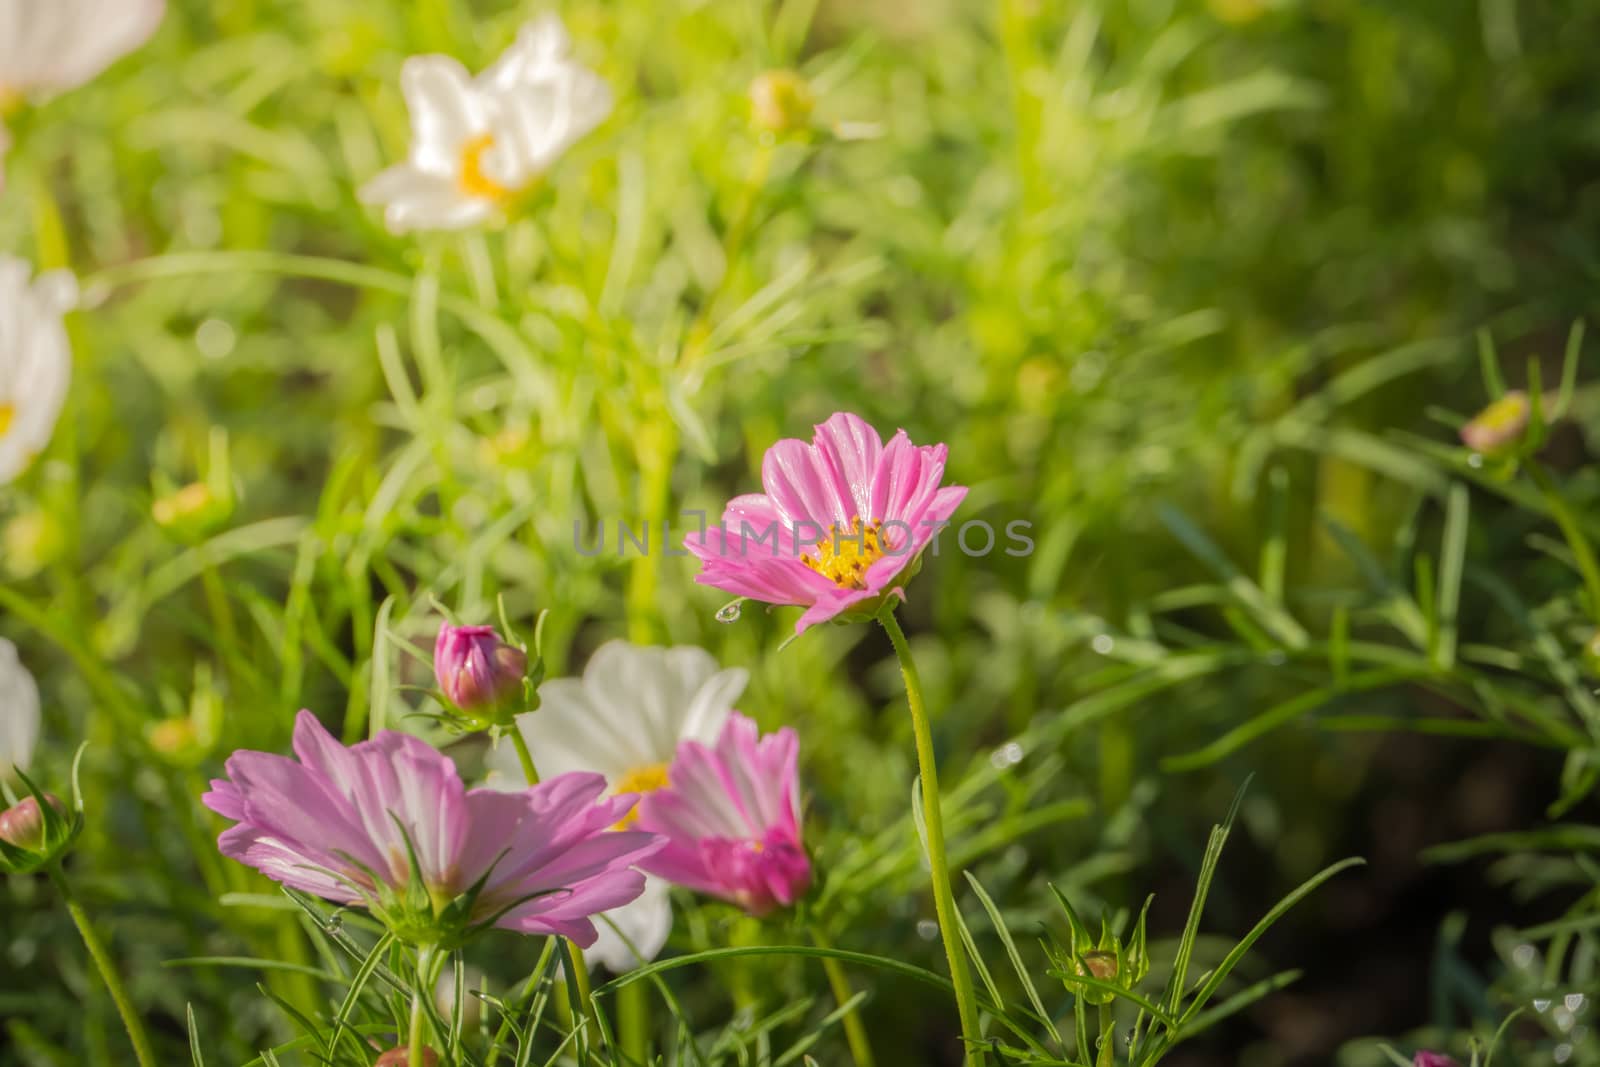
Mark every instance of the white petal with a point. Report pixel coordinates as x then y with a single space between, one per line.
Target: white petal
19 711
541 44
35 360
646 923
632 707
446 112
51 45
415 200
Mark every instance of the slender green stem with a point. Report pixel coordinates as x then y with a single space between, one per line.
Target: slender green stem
526 757
1108 1038
944 901
108 971
854 1032
1582 552
633 1022
580 970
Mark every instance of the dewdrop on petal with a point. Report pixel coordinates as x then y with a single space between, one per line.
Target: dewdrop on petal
780 102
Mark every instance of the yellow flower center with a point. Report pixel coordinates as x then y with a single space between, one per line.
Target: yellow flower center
474 182
646 779
844 556
8 415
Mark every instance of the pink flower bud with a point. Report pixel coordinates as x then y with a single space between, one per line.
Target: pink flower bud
476 670
1432 1059
401 1057
1500 425
22 826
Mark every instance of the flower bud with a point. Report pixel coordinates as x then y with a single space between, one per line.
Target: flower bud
34 834
22 826
1425 1058
780 102
1499 426
401 1057
479 674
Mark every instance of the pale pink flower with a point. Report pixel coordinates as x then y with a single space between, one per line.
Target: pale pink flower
731 816
378 822
840 523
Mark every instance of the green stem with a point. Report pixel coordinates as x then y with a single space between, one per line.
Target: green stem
580 970
521 744
1579 544
108 971
633 1022
944 901
424 988
854 1032
1108 1038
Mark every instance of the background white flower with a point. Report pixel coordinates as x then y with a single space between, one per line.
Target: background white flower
625 716
646 922
477 143
624 719
19 711
35 360
52 45
47 46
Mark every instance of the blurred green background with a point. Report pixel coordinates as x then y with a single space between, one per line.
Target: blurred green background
1121 255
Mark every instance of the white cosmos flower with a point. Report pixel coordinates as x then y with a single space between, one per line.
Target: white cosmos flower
477 143
625 719
48 46
19 711
35 360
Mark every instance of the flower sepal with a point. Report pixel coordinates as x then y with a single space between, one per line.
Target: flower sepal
38 829
1086 964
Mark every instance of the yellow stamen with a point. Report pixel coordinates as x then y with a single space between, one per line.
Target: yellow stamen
646 779
8 414
474 182
844 556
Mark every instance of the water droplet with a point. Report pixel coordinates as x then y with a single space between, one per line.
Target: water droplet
730 612
1007 755
1562 1053
1574 1001
1103 644
1523 955
1474 461
214 338
1563 1019
928 930
1541 1005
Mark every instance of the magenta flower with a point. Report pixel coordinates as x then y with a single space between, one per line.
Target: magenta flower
731 816
1425 1058
841 523
478 672
387 824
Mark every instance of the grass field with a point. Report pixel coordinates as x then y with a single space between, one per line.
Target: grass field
1206 302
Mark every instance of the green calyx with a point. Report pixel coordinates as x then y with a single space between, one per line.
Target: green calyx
1088 964
38 829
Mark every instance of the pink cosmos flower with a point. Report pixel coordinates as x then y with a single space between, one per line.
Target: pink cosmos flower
731 816
387 824
839 524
